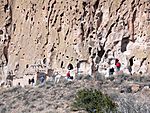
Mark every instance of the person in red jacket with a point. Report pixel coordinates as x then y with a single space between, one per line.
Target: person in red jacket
68 74
118 64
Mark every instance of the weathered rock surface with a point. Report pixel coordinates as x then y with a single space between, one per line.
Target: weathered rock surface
37 35
42 34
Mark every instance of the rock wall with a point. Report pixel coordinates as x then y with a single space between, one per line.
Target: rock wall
43 34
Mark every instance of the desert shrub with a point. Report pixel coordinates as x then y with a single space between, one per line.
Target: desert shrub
93 101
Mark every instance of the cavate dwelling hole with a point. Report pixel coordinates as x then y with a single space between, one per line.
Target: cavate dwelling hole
70 66
124 44
90 48
96 5
91 36
134 15
6 8
131 61
77 10
116 42
59 29
27 66
14 27
61 64
43 8
27 16
142 61
17 66
44 61
48 8
106 55
62 14
5 52
31 18
52 49
101 53
70 8
56 56
1 32
84 3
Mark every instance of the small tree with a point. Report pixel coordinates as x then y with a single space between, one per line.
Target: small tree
93 101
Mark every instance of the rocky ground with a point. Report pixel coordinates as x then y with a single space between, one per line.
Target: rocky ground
131 94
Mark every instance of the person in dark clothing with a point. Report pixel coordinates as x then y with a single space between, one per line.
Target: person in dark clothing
116 61
111 71
68 75
32 81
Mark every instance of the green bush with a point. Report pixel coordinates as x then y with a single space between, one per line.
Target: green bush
93 101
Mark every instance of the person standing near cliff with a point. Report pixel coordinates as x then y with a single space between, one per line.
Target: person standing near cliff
32 81
118 64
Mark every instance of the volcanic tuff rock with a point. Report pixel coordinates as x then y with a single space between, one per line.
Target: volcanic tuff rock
47 34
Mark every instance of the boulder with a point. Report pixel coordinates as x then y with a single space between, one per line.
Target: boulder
135 88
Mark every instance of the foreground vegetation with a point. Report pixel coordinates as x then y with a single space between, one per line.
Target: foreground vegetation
93 101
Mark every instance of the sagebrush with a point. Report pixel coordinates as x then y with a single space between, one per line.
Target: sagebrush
93 101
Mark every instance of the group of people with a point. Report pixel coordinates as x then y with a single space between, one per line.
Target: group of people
70 76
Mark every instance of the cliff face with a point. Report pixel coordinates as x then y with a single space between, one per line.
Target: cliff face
43 34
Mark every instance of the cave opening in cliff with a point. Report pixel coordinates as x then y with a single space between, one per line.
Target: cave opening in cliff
96 5
142 61
44 61
101 52
107 52
62 63
27 66
90 49
6 8
1 32
131 61
124 43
